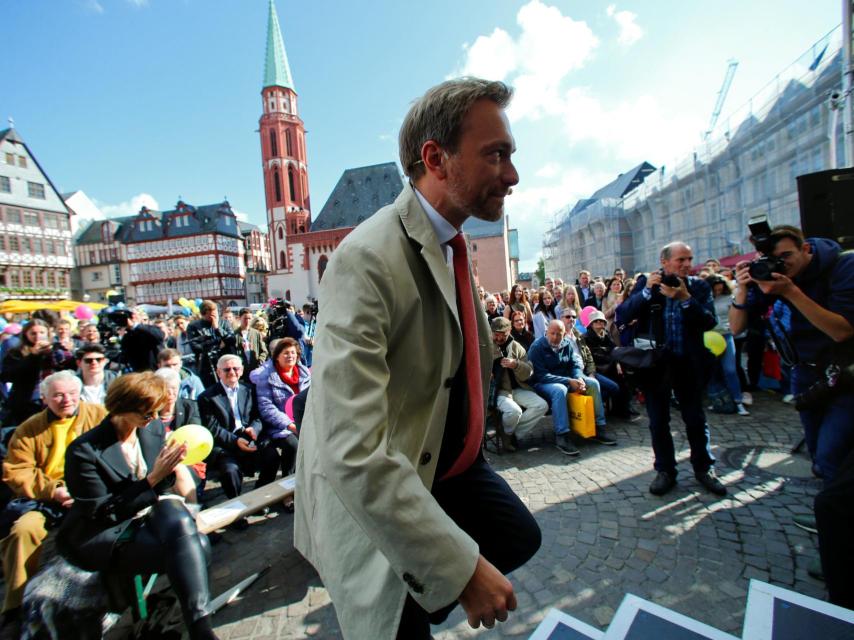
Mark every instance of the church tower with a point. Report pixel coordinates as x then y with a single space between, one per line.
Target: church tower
283 154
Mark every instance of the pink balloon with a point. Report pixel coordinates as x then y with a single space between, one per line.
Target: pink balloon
83 312
13 328
585 315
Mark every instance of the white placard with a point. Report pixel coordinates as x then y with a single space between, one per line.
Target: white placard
759 617
288 483
223 514
555 617
632 605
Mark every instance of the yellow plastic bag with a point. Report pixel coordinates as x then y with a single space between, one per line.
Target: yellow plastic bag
582 418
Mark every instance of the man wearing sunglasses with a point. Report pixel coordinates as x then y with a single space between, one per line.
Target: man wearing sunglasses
91 363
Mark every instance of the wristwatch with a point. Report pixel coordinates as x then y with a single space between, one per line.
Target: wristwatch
740 307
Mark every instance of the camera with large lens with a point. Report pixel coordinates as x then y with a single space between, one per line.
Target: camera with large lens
763 267
669 279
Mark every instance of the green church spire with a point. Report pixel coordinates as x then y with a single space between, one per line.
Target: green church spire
277 71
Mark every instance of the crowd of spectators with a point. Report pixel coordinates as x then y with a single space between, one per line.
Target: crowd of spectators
103 395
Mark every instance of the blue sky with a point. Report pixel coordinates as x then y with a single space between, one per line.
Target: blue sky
143 101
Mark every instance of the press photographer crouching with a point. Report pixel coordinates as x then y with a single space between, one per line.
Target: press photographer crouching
815 280
119 522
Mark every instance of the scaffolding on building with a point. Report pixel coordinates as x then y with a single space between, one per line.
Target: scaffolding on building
747 166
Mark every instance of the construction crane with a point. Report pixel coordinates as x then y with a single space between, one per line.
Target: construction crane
719 103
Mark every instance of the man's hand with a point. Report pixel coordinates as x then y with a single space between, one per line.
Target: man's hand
61 496
653 279
677 293
780 286
508 363
742 275
488 596
577 384
245 445
250 434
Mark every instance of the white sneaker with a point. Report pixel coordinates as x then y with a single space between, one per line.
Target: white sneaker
741 410
788 398
746 398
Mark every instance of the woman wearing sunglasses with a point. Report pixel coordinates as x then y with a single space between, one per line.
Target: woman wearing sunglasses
119 523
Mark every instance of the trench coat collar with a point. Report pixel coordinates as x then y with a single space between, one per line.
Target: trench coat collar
417 226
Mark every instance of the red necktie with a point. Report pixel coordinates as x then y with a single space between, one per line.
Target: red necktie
471 359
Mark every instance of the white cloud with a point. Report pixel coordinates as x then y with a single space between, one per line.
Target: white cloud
93 5
549 46
630 31
492 57
532 210
242 216
549 170
139 4
632 129
128 207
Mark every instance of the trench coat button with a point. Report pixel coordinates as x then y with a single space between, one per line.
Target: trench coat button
426 457
448 382
410 580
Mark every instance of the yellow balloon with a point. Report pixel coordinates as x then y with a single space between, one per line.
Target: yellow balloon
714 342
199 442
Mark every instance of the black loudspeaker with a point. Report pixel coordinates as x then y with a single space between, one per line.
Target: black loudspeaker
827 205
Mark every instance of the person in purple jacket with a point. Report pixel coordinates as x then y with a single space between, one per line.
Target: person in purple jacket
283 376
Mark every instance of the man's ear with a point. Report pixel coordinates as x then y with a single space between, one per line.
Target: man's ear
433 157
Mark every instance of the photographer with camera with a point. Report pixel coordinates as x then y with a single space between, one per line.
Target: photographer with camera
815 281
674 310
141 343
210 339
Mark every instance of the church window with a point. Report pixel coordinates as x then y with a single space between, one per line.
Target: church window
281 259
277 184
280 233
321 267
288 142
274 144
291 185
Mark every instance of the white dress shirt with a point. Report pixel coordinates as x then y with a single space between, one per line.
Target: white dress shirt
231 394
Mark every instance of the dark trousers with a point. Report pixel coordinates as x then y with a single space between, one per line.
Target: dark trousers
168 541
231 466
485 507
834 516
687 382
287 448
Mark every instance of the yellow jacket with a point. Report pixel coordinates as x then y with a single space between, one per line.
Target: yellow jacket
29 451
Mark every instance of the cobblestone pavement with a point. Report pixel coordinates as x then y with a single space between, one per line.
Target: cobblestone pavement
604 535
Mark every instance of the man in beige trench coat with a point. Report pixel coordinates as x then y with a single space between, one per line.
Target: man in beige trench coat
397 542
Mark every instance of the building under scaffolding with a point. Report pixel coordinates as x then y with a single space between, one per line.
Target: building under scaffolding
747 167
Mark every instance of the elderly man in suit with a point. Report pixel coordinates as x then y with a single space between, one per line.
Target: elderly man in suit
228 408
396 507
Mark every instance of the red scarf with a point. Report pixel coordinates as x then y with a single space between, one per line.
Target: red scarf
292 381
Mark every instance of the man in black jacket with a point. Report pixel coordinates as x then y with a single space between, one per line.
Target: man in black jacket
676 309
141 344
229 409
209 339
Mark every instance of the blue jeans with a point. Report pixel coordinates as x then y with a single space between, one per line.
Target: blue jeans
555 394
730 370
687 384
829 430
